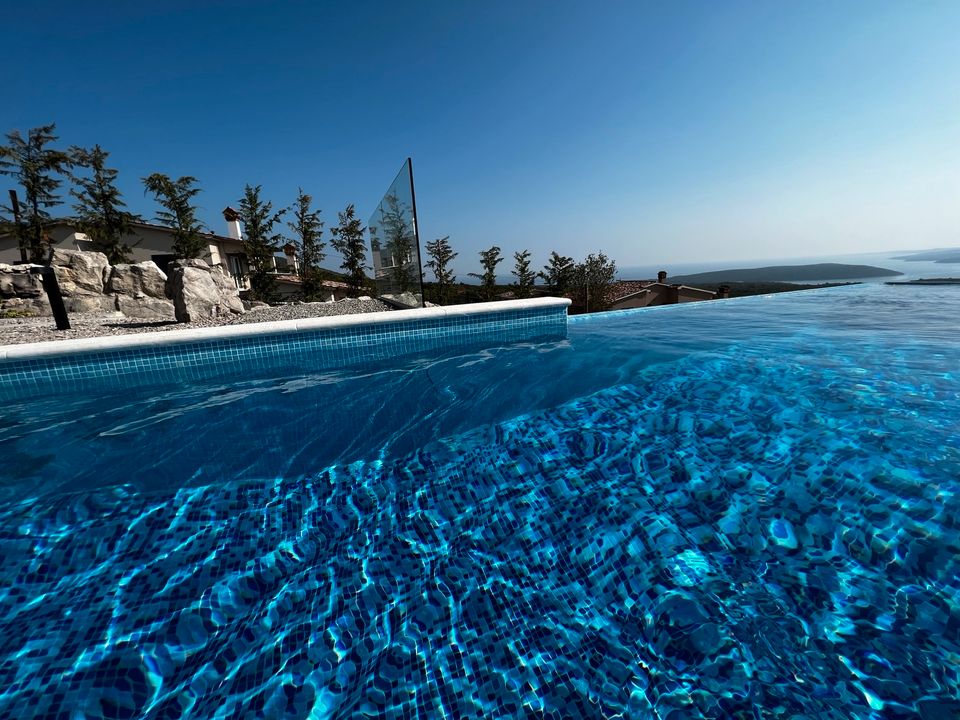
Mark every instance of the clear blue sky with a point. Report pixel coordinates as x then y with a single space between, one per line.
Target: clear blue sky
660 132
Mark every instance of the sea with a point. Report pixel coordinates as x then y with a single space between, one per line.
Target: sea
911 269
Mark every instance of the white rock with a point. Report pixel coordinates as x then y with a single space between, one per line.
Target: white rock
20 283
89 303
138 279
146 308
201 291
16 306
80 272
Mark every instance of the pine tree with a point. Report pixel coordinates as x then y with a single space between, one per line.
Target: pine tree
348 241
35 167
489 259
558 272
179 213
525 276
260 242
100 206
441 255
308 229
592 281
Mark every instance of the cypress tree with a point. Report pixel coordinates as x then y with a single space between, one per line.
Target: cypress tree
347 239
308 229
489 259
558 272
260 242
525 276
100 208
441 255
179 213
35 167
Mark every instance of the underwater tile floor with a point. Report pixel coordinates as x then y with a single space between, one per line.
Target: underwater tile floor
726 537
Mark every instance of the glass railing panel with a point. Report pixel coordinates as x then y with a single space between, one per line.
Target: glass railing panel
395 243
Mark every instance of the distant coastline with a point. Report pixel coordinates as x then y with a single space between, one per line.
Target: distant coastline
789 273
944 255
926 281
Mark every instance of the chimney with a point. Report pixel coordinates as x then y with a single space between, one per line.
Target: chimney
723 292
662 276
233 223
290 250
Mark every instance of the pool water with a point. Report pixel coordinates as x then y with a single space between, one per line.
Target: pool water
739 509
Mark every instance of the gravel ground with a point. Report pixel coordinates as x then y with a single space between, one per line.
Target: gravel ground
14 331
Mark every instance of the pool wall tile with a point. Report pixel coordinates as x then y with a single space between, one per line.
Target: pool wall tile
290 346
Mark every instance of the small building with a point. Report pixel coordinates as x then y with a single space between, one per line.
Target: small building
647 293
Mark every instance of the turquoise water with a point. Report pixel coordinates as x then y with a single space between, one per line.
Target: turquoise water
732 509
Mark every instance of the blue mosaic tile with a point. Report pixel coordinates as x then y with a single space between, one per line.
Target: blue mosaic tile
747 511
303 350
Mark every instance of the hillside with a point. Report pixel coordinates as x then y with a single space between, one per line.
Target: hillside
787 273
745 289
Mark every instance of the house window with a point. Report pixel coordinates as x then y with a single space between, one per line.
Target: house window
237 265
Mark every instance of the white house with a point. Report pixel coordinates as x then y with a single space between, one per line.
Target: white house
147 242
150 241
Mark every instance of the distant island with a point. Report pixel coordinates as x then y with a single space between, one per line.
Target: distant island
745 289
788 273
944 255
926 281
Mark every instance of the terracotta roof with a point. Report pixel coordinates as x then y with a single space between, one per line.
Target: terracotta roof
625 288
296 280
628 288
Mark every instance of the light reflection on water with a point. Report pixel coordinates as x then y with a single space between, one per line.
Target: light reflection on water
725 510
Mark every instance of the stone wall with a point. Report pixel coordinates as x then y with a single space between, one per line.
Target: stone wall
89 284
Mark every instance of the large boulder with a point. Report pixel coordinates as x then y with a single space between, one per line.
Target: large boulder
140 291
79 272
144 279
89 304
202 291
146 308
24 307
401 300
21 292
18 281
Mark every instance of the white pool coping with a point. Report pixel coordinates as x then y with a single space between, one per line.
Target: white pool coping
52 348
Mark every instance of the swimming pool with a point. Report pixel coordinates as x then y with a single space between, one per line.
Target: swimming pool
733 509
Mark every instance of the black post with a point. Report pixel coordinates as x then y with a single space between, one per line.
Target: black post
416 231
52 288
